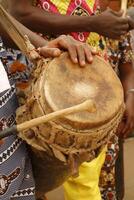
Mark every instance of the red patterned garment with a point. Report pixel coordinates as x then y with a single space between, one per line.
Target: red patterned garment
71 7
112 51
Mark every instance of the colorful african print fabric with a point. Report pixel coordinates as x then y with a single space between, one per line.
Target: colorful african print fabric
16 178
130 3
80 8
116 52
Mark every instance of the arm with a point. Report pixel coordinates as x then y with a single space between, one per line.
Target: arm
79 52
127 79
126 69
44 22
108 23
36 40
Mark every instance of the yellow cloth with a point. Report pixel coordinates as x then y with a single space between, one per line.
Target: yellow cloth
85 187
83 8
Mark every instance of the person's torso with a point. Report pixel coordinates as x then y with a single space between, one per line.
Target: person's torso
110 50
76 7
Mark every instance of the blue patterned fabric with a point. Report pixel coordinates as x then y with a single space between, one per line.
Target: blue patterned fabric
16 178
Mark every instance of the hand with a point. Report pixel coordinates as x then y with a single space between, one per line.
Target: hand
130 13
79 52
131 23
127 125
111 24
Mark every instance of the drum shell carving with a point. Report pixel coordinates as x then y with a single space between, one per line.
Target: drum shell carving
60 146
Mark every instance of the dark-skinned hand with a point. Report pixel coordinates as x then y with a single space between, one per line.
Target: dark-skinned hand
111 24
127 125
79 52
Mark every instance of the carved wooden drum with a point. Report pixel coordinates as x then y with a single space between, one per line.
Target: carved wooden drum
61 145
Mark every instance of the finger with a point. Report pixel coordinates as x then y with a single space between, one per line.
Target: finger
70 47
124 20
123 33
128 132
119 33
73 53
132 125
88 54
123 27
33 55
116 36
131 23
116 13
131 128
59 42
81 55
120 129
127 126
93 50
49 52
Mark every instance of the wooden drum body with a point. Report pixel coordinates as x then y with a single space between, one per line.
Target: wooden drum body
60 146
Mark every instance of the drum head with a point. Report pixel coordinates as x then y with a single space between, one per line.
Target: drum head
66 84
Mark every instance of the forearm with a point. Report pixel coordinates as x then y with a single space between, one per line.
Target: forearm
5 37
36 40
44 22
127 77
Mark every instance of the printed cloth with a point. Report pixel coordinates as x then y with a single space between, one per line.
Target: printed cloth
116 52
16 178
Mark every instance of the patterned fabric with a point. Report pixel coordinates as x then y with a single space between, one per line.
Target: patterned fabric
132 39
107 178
80 8
130 3
16 179
113 51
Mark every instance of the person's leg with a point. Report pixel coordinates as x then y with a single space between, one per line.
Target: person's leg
85 187
107 176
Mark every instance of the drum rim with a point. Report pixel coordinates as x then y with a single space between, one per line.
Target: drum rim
65 120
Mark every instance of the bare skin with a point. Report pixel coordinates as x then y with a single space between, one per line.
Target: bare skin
115 5
79 52
29 14
109 23
127 78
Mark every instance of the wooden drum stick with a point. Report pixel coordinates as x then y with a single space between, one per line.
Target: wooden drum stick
86 106
124 6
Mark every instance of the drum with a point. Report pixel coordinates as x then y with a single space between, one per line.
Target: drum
58 147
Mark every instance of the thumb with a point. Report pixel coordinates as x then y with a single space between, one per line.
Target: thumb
47 52
33 55
117 13
131 22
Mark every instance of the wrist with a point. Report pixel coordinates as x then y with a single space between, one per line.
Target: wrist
129 95
94 24
131 91
89 23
